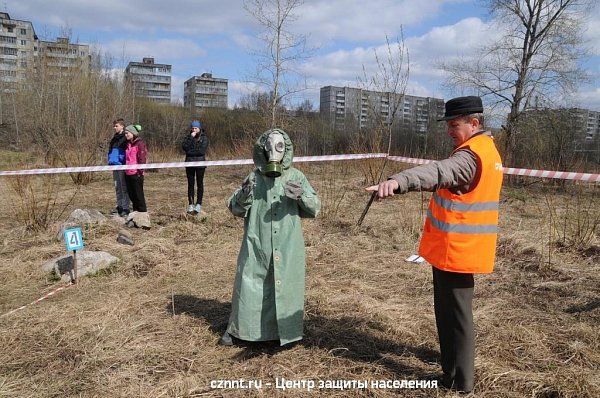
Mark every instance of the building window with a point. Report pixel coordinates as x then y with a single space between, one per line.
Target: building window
9 51
23 31
9 29
8 39
23 42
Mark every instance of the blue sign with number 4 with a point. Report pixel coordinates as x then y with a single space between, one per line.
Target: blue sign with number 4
73 239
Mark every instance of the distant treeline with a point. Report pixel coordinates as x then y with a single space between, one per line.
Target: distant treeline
67 119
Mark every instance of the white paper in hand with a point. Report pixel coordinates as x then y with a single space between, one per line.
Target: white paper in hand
415 258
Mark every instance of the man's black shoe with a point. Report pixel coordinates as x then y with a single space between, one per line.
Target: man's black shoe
447 382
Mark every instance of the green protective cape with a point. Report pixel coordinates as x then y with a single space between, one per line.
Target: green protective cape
268 294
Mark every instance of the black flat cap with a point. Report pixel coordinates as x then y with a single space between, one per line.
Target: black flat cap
462 106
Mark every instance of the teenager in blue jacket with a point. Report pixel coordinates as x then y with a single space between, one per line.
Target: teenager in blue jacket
116 156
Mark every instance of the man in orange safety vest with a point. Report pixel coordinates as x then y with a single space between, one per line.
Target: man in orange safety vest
460 232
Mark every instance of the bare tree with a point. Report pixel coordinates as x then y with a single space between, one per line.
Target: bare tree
385 89
66 114
535 59
283 50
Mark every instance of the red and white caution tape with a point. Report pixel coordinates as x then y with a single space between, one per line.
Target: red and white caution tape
403 159
204 163
339 157
563 175
44 297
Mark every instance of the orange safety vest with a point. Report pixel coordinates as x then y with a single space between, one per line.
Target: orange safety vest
461 231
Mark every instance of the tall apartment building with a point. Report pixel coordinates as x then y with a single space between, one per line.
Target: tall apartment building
585 122
340 104
61 57
18 44
150 80
590 121
204 91
21 52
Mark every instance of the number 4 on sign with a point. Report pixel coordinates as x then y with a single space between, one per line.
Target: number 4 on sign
73 239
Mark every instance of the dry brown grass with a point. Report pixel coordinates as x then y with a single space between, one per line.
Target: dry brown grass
369 314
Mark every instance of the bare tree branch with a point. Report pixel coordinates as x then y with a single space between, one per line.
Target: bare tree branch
276 63
536 57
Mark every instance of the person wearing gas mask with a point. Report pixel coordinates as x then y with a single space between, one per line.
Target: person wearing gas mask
268 294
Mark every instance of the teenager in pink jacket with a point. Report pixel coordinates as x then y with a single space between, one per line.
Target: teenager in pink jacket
136 153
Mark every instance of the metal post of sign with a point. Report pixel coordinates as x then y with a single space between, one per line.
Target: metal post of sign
74 266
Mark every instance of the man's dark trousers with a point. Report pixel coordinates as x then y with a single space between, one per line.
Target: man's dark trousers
453 298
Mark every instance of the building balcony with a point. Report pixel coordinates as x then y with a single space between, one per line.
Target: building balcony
147 71
62 65
212 92
61 55
157 92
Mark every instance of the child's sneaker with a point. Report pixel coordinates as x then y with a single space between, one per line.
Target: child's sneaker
190 209
197 209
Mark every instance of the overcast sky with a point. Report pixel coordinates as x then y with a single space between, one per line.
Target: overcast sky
197 36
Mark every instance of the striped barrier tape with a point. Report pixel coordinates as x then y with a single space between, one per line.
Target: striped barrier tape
44 297
204 163
403 159
563 175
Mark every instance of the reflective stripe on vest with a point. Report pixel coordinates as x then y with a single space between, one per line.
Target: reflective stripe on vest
458 206
461 228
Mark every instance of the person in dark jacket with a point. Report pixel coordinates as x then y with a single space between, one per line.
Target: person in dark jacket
194 145
116 156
